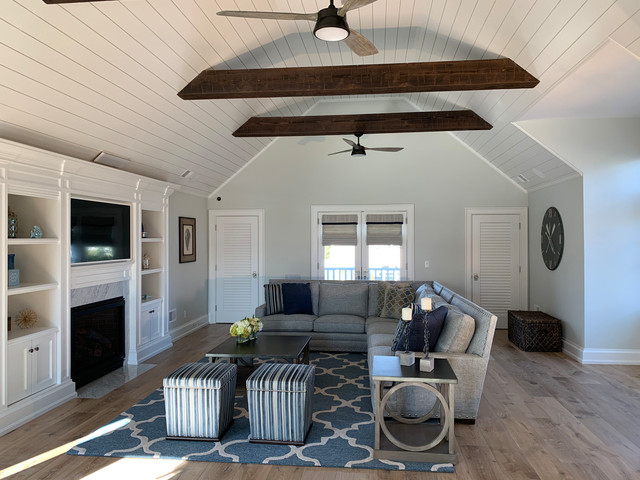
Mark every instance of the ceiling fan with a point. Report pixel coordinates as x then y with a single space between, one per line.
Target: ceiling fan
331 24
358 150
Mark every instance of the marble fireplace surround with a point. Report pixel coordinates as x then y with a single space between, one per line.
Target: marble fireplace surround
96 282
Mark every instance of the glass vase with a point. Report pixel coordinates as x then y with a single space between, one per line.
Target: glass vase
245 339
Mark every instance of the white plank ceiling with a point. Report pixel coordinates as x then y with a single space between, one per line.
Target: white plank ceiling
85 78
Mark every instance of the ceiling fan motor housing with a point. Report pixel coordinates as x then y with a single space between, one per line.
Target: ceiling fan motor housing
330 26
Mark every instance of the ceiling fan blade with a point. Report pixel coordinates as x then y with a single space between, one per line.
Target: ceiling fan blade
352 5
385 149
270 15
341 151
350 142
360 45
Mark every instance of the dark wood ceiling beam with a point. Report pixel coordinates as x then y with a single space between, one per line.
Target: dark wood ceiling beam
376 79
366 123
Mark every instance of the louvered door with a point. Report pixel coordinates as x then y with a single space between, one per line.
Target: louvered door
496 264
236 268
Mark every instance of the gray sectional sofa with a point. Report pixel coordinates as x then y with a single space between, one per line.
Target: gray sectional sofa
344 319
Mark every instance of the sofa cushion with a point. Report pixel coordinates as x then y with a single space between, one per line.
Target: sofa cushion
378 339
339 324
396 296
296 298
346 299
273 298
456 333
288 323
378 325
415 330
424 290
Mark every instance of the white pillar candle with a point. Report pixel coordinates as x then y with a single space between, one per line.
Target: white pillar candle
406 314
425 303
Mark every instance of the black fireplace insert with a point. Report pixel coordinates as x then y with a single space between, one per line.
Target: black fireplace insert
97 339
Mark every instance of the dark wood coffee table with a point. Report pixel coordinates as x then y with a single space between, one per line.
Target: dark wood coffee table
294 348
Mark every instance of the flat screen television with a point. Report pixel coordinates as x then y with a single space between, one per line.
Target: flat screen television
100 232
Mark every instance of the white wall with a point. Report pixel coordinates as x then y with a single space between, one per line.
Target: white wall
560 292
434 172
188 281
607 151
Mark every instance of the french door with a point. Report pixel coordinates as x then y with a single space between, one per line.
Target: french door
361 244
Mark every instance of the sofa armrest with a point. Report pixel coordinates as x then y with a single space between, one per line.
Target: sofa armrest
471 371
261 310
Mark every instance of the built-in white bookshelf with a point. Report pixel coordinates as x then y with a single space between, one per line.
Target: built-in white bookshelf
38 185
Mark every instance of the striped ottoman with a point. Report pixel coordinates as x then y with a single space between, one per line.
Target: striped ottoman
279 397
198 399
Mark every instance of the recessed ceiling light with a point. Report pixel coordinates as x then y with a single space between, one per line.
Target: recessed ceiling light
538 173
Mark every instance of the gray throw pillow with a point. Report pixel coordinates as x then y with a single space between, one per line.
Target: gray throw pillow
456 333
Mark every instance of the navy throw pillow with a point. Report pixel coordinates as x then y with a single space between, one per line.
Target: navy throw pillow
296 298
415 330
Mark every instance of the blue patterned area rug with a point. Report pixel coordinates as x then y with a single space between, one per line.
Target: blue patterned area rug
341 436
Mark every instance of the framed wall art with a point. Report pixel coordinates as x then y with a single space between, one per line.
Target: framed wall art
187 233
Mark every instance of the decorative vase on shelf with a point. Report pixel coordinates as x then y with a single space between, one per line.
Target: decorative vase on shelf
146 261
13 224
12 259
36 232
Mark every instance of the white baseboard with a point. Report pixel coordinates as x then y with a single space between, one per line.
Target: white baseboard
601 356
153 348
189 327
35 405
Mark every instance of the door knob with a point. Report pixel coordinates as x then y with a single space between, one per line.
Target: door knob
475 277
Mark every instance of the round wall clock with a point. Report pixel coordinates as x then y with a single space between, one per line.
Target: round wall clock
552 238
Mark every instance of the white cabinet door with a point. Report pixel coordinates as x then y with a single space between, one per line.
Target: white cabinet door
150 325
32 365
43 362
19 370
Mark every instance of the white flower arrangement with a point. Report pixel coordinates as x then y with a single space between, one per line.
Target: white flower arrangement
246 327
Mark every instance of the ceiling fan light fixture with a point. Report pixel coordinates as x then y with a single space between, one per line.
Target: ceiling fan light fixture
330 26
358 152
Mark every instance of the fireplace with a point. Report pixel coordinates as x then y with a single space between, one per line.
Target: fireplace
97 339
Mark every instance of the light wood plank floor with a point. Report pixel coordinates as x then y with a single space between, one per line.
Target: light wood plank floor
542 416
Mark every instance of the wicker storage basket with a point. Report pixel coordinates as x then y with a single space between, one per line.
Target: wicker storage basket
535 331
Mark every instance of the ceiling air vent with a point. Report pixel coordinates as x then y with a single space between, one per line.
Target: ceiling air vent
186 174
522 179
111 160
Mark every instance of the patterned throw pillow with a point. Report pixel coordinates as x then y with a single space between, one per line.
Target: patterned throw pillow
395 298
273 298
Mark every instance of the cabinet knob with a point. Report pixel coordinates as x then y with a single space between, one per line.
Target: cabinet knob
37 349
31 350
151 311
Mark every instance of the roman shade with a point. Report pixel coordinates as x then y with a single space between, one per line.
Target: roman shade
384 229
339 229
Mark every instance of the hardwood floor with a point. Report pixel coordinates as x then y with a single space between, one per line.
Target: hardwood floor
542 416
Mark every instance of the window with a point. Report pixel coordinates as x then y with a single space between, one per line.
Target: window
362 242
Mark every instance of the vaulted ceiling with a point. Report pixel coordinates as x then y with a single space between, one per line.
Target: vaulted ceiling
90 77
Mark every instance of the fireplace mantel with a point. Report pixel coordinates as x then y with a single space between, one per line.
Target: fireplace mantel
94 274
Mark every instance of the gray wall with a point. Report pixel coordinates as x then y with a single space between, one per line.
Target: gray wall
434 172
560 292
188 281
607 151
